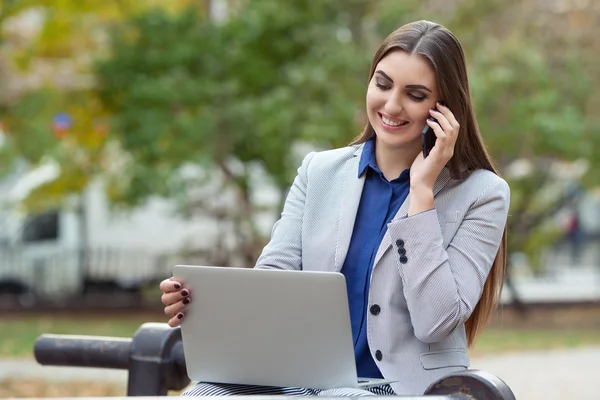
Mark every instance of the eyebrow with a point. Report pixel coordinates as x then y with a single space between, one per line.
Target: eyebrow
422 87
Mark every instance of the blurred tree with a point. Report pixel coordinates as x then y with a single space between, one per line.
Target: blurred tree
45 69
231 96
47 51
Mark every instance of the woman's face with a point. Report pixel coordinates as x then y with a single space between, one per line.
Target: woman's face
400 94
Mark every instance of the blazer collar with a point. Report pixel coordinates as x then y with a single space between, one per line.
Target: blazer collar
351 193
359 150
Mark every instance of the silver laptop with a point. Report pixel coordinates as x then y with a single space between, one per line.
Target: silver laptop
271 328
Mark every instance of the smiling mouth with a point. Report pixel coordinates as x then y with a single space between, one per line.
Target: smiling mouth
392 123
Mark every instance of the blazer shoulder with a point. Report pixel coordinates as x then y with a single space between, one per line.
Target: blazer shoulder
327 159
486 183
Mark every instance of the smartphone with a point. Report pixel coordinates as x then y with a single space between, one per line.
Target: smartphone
428 138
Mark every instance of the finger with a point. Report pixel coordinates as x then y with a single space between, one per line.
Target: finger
442 121
169 285
444 145
437 129
176 320
171 298
175 308
449 115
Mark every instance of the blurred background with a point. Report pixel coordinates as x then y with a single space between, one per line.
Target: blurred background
138 134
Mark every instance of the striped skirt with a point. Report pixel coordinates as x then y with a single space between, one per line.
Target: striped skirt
227 389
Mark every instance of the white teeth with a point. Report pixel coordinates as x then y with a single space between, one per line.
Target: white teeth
392 123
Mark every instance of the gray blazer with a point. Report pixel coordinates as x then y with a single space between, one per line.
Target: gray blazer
426 296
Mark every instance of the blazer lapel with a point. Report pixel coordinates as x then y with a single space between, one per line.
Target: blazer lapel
386 242
350 194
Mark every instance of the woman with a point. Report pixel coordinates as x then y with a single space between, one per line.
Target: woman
421 240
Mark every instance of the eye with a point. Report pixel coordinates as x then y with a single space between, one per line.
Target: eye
382 85
416 97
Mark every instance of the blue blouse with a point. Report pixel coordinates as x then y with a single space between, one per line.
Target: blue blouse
379 203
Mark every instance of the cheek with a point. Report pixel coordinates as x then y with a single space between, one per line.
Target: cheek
375 98
417 111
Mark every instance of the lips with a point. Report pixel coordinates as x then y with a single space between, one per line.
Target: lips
393 122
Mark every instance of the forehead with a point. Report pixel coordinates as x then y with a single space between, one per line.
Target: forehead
408 69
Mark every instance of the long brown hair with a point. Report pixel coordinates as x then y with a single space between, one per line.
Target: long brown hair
443 51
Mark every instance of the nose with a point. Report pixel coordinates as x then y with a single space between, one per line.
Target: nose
394 106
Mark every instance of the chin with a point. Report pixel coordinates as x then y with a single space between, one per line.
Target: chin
397 140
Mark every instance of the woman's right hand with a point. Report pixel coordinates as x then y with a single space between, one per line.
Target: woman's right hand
175 297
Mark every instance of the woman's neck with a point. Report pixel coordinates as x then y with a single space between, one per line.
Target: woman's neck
392 162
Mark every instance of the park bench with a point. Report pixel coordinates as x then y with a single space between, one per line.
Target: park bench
155 363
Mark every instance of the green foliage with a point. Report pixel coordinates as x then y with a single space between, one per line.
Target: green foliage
30 124
525 109
69 35
249 88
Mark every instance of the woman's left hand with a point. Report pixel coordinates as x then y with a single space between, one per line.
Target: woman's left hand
424 171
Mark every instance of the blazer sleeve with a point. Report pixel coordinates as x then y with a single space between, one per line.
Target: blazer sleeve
442 286
284 250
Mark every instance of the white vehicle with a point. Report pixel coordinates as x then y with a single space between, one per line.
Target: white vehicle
84 246
87 246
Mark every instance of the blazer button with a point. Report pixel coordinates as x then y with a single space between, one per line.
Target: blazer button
401 251
400 243
375 309
378 355
403 259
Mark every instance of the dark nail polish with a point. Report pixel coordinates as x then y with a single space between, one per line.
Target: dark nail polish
177 286
184 293
180 315
186 300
